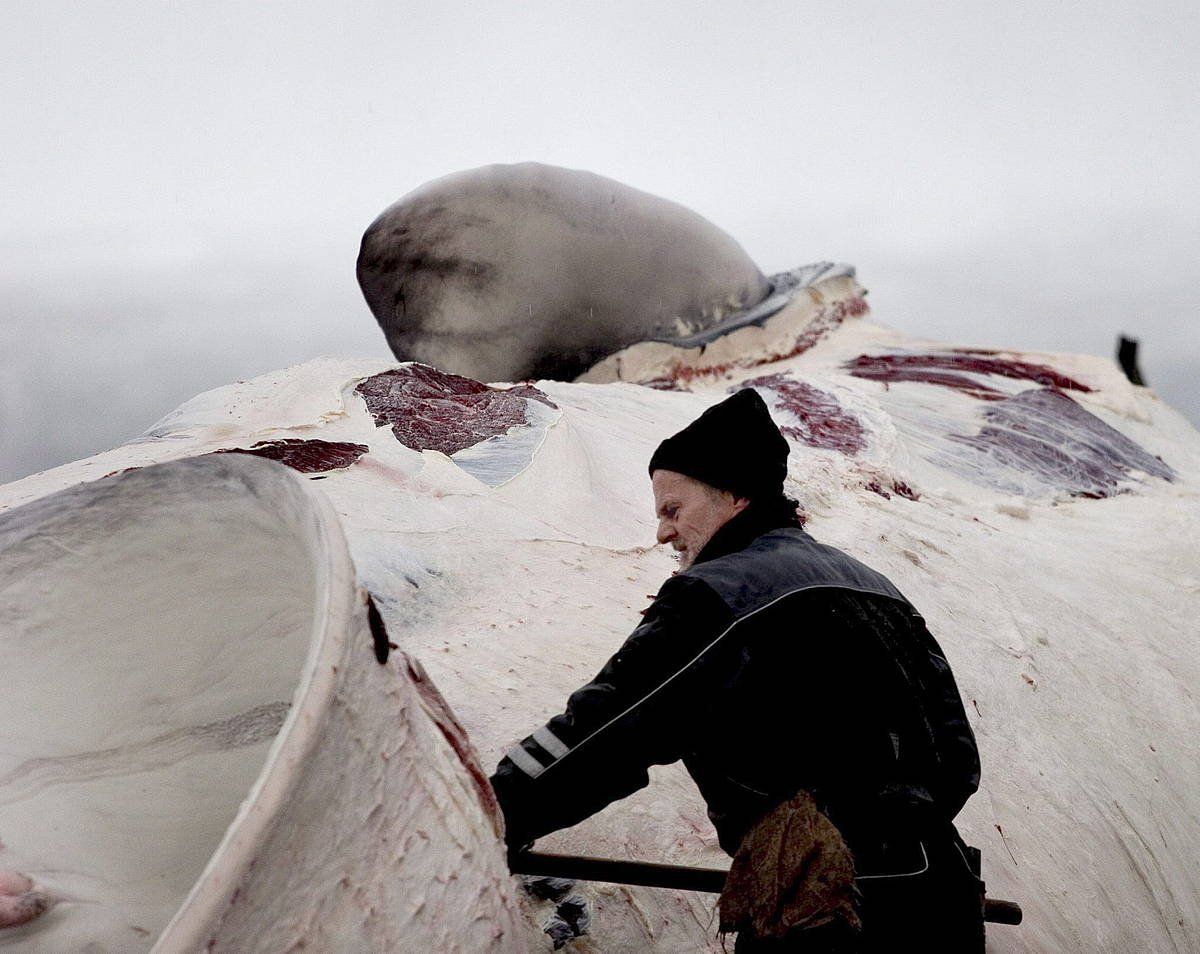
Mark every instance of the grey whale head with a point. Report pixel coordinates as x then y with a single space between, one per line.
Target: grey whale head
510 272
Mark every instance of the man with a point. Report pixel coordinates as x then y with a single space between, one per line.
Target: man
806 699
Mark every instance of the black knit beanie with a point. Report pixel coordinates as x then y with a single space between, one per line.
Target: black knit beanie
732 446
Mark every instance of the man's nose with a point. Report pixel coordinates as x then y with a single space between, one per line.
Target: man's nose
665 532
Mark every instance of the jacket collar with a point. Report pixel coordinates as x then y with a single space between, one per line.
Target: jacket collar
743 529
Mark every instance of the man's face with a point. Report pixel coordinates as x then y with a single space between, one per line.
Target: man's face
690 512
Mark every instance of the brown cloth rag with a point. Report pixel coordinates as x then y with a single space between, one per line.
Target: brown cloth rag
792 873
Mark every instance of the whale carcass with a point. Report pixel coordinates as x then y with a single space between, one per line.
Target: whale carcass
1040 510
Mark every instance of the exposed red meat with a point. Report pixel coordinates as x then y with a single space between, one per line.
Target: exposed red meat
307 456
821 421
951 370
1047 434
428 409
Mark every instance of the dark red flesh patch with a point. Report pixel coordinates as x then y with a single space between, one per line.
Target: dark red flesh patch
428 409
453 732
306 456
823 422
951 370
1045 433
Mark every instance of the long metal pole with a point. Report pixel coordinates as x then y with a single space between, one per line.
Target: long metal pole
679 877
646 873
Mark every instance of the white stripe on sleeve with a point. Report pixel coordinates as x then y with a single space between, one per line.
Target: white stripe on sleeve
525 762
550 742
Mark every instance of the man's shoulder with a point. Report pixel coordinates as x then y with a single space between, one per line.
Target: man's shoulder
685 590
755 573
783 562
763 552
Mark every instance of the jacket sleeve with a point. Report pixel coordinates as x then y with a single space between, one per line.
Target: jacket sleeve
643 708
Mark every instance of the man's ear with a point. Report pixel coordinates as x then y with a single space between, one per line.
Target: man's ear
739 503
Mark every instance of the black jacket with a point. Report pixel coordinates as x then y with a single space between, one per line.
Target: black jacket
773 663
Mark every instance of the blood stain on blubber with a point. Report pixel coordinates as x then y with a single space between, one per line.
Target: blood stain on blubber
454 733
428 409
1045 433
951 370
899 488
663 384
821 419
310 456
826 320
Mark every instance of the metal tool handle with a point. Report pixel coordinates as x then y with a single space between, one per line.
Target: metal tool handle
645 873
679 877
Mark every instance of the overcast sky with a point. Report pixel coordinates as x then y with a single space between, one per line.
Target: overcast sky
185 184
